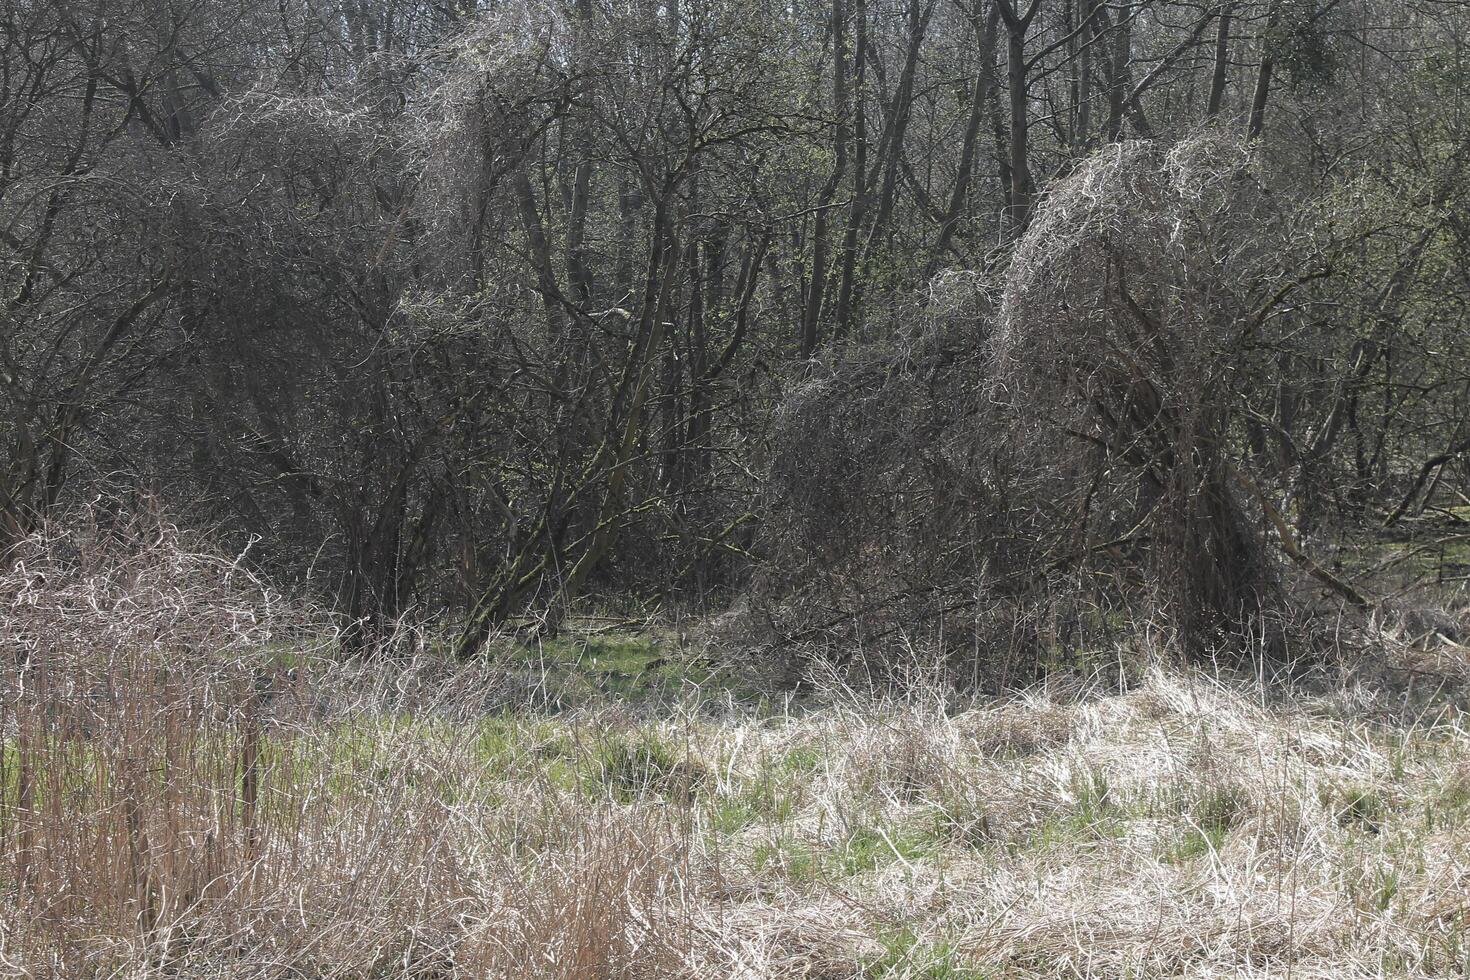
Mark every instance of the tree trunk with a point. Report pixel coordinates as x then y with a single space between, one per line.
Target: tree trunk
811 315
1016 79
982 93
1257 123
1222 61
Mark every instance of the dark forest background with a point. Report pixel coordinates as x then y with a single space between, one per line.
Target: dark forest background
1011 323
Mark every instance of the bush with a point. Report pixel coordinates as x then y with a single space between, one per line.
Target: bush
1040 458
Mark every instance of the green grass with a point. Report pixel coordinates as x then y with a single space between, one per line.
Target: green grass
905 957
1194 843
792 859
867 848
732 814
801 760
1373 884
640 764
1410 558
1212 814
963 821
1093 812
636 668
1450 804
1356 806
872 847
763 800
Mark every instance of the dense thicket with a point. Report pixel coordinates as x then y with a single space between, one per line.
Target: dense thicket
878 310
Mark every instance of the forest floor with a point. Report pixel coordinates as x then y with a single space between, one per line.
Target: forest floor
608 807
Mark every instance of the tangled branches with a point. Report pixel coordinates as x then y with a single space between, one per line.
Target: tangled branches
1092 446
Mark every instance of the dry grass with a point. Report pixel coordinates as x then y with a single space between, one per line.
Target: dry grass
192 787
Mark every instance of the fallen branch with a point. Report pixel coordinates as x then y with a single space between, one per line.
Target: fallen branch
1430 465
1293 548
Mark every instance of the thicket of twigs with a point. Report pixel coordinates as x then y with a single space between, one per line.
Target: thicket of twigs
471 312
1073 449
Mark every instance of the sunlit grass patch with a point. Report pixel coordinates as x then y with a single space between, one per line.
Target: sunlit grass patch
648 667
875 845
963 819
1200 817
1355 805
764 800
786 857
907 957
639 764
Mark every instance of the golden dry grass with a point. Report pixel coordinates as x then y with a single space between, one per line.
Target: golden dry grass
191 789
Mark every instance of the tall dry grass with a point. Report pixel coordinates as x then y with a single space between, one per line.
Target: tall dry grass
189 783
193 784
